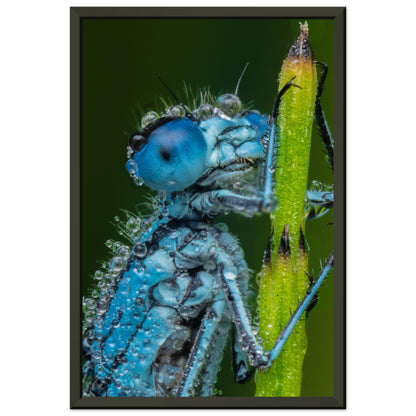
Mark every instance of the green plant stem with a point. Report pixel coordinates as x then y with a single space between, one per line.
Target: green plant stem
283 279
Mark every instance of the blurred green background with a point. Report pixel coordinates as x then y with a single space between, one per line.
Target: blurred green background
119 60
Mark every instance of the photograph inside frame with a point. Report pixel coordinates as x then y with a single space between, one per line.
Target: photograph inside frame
207 238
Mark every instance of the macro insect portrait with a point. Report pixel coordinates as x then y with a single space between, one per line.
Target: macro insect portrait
204 208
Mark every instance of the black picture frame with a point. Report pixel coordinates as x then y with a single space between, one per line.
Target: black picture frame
338 14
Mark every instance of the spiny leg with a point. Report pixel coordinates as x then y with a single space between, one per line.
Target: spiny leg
228 270
197 359
242 369
319 202
258 357
284 335
270 153
228 276
320 117
217 202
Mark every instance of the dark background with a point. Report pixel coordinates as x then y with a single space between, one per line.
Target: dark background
119 60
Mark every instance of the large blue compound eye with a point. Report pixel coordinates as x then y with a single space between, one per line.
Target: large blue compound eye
172 157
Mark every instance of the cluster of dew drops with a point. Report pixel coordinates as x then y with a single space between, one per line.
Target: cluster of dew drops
107 276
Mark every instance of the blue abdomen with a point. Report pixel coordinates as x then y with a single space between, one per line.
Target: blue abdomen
146 322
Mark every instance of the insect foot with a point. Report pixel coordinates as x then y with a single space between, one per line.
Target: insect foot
270 204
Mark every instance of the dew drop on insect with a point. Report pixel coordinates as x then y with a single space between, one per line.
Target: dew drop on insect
140 269
98 275
133 224
230 273
140 251
175 111
205 111
229 103
124 288
139 302
148 118
222 226
171 182
123 251
116 246
102 307
138 181
131 166
116 263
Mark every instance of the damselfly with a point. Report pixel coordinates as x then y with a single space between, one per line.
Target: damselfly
165 308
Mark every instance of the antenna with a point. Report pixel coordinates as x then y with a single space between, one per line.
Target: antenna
187 113
239 79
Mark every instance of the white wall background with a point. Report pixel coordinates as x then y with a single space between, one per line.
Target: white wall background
34 172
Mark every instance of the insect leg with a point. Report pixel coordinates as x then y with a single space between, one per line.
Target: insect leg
271 150
215 203
320 117
241 364
227 276
319 202
284 335
322 198
200 360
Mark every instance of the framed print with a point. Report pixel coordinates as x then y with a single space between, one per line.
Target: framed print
208 207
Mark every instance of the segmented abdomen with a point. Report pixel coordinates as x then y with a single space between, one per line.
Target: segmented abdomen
147 322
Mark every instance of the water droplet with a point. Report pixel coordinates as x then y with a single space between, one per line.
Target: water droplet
230 273
140 251
123 251
229 103
98 275
138 181
116 246
132 167
175 111
316 186
222 226
102 307
116 264
149 118
205 111
124 288
139 302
